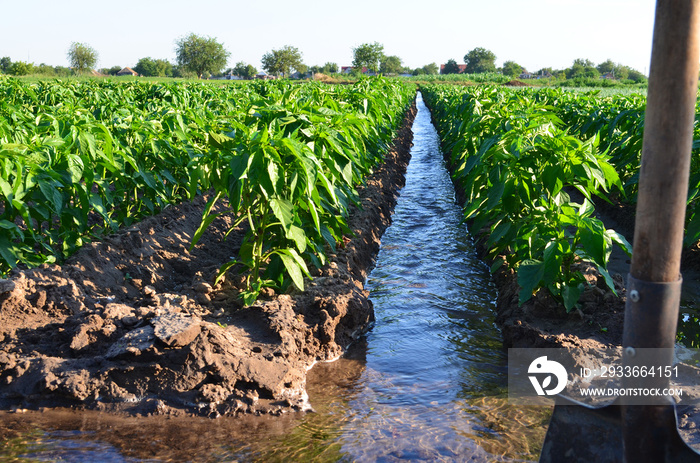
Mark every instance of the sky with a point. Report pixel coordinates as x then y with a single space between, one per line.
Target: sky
533 33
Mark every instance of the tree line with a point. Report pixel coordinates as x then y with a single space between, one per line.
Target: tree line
204 57
481 60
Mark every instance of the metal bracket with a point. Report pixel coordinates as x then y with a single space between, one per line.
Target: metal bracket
651 313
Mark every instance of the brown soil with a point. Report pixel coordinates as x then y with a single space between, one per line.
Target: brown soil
516 83
134 323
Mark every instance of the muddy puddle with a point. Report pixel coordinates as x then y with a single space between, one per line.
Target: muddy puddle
427 383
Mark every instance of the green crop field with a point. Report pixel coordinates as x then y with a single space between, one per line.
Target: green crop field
80 158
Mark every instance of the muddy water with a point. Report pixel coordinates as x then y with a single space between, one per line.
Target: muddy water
428 383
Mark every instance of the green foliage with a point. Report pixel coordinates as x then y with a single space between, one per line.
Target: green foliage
112 71
150 67
517 164
391 65
20 68
201 55
329 68
451 67
247 71
82 57
283 61
5 63
290 167
368 55
480 60
82 158
487 77
428 69
512 69
582 68
618 121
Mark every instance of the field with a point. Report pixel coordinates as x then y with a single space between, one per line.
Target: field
182 247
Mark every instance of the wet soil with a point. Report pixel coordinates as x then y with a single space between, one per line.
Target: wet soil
135 323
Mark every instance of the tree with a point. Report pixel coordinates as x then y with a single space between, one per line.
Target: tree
329 68
582 68
201 55
82 57
301 68
150 67
480 60
451 67
368 55
635 75
617 70
283 61
391 65
112 71
20 68
5 63
247 71
430 69
606 66
512 69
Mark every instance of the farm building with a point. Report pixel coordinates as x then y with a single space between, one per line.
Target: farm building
127 71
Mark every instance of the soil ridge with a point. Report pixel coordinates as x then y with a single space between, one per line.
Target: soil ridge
135 323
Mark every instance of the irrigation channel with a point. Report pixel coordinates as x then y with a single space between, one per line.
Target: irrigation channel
427 383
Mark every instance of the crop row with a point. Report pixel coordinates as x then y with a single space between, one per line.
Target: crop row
618 123
517 164
79 159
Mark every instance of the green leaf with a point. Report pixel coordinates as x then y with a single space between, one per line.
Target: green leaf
495 194
592 238
217 140
225 268
5 251
298 236
498 232
239 166
552 179
553 259
207 219
328 236
295 265
611 176
608 279
570 295
530 273
273 173
284 211
620 240
52 194
498 263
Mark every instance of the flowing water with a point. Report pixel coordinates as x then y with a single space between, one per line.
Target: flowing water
427 383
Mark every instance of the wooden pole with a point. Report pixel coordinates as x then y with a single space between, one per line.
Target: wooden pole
651 314
668 138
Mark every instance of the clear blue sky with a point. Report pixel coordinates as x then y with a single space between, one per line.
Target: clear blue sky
534 33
